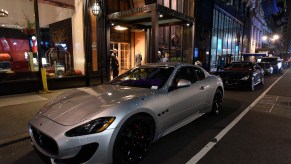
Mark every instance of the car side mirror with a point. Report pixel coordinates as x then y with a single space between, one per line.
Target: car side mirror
182 83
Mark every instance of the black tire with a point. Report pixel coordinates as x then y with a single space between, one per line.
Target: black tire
217 102
133 140
252 84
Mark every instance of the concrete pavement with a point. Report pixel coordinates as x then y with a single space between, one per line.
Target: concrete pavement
15 113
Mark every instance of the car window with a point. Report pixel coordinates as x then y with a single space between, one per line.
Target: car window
187 73
148 77
200 73
241 65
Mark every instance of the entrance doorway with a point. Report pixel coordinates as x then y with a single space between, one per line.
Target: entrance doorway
123 56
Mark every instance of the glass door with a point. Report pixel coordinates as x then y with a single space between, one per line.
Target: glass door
123 56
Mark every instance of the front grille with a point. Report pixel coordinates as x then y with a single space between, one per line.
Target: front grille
231 81
44 141
86 152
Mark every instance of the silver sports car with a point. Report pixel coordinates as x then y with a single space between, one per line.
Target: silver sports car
117 122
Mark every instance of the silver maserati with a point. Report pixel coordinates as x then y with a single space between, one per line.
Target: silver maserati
117 122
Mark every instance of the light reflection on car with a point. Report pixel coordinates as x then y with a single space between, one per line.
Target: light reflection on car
117 122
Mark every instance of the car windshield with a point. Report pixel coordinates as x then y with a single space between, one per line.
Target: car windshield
270 59
241 65
144 77
264 65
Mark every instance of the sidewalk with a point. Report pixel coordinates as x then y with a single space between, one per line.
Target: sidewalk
15 113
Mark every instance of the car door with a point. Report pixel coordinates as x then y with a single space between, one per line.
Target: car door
187 101
203 82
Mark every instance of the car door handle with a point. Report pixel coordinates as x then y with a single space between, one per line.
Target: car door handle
202 88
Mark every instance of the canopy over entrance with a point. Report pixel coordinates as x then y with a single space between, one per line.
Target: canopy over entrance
150 16
142 16
60 3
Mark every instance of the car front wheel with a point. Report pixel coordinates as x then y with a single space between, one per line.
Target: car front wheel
133 140
252 84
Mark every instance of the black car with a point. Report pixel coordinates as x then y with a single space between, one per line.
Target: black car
276 63
268 68
241 74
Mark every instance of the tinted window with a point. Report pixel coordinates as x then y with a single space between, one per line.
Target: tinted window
200 73
187 73
241 65
148 77
269 59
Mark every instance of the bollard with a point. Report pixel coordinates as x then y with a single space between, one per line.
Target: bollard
44 81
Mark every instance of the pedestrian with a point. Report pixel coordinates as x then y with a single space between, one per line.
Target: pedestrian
165 57
114 63
138 59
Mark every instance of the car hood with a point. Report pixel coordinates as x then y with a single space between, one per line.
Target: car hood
237 73
76 105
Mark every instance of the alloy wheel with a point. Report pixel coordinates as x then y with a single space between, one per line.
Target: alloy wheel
133 141
217 102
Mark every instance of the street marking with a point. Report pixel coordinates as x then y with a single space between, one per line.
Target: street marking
273 104
210 145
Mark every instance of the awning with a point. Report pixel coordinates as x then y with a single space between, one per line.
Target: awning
141 16
60 3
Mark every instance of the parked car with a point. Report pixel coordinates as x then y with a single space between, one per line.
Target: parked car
268 68
276 63
117 122
241 74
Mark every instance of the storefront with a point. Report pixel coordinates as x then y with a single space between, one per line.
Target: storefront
143 32
41 34
226 40
151 33
74 46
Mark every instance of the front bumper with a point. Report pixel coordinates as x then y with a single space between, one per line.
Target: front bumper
235 83
49 139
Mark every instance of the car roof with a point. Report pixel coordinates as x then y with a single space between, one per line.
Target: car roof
243 62
264 62
165 64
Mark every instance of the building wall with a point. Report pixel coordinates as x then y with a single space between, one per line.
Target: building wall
78 36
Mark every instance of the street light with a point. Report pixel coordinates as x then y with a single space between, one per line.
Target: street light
96 8
265 38
270 38
275 37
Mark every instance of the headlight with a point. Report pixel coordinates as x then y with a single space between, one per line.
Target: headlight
92 127
245 77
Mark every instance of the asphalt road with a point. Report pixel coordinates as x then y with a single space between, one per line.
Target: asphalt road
249 141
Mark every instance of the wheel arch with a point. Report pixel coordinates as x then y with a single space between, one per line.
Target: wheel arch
221 89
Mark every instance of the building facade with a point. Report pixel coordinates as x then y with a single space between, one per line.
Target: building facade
62 44
54 44
220 29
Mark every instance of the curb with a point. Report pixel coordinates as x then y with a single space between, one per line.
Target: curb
11 140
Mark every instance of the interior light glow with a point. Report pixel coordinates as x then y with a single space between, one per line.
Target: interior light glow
120 28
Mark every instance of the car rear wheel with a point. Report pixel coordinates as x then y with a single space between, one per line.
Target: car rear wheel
217 102
133 140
